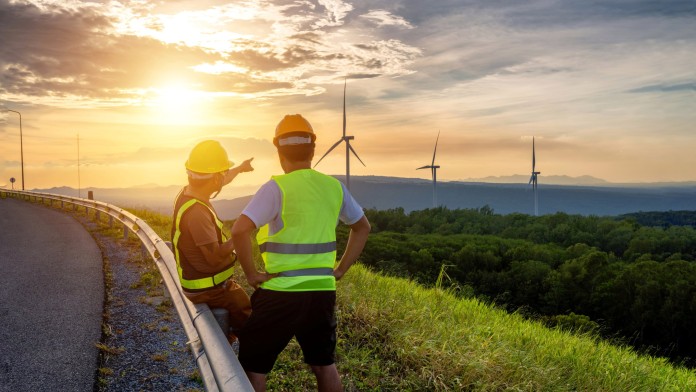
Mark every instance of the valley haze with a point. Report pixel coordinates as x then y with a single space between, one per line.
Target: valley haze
572 195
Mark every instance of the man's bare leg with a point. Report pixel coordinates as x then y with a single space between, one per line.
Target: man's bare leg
328 379
258 381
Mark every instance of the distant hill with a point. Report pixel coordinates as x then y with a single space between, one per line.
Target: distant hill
157 198
555 180
416 194
577 181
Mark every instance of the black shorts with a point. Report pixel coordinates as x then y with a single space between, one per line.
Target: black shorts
277 316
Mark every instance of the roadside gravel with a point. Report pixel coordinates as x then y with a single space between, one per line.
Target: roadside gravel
143 346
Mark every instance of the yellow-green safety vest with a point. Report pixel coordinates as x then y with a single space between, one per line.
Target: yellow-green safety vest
303 251
201 283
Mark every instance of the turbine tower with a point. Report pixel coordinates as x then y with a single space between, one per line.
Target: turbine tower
433 169
346 139
533 180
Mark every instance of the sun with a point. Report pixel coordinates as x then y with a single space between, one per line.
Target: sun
176 97
177 103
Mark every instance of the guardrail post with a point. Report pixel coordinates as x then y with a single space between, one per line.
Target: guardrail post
98 215
111 221
125 232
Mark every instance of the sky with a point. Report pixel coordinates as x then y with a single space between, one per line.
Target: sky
116 93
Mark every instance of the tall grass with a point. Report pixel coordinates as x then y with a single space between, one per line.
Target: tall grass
428 339
395 335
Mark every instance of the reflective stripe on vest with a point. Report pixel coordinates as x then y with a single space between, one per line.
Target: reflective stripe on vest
307 272
202 283
303 251
295 249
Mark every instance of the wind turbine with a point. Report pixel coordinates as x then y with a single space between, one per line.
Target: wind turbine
433 169
346 139
533 180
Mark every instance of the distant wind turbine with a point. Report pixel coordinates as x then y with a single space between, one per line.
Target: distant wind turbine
433 168
533 180
346 139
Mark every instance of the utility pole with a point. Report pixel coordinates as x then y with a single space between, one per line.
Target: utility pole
21 143
79 189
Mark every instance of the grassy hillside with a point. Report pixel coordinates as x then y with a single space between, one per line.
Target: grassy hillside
427 339
395 335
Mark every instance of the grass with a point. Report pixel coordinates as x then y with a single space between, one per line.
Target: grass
108 349
396 335
428 339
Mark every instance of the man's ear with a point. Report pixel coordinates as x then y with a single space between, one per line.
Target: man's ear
219 178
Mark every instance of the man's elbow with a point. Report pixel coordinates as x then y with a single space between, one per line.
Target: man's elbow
237 232
242 228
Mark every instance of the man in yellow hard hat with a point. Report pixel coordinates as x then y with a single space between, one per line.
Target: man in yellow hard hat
204 257
296 214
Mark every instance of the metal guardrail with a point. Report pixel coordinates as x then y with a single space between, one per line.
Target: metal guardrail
217 363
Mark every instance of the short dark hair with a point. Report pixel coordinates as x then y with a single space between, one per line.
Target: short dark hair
297 152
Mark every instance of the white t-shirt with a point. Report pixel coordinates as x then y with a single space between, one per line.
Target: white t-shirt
264 207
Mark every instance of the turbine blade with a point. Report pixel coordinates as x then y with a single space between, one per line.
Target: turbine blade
344 107
531 179
356 154
327 153
423 167
435 151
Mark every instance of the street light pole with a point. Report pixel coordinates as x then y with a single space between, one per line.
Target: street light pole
21 143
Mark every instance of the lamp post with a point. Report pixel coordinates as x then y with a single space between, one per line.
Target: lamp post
21 143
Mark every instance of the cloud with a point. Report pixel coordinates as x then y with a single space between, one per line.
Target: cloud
63 53
74 53
336 10
386 18
661 88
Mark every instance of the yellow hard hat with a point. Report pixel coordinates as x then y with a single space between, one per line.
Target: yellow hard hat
208 157
293 124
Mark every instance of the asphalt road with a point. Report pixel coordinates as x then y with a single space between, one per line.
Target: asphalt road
51 300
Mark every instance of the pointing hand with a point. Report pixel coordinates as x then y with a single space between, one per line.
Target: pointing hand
246 166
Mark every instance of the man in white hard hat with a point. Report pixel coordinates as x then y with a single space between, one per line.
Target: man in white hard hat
296 214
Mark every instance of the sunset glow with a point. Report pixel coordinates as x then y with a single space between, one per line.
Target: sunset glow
606 90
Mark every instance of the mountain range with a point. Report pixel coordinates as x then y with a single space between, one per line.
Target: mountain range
601 198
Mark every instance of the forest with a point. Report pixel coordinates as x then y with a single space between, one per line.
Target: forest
630 279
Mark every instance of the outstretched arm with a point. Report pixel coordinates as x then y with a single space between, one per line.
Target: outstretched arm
243 168
356 242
